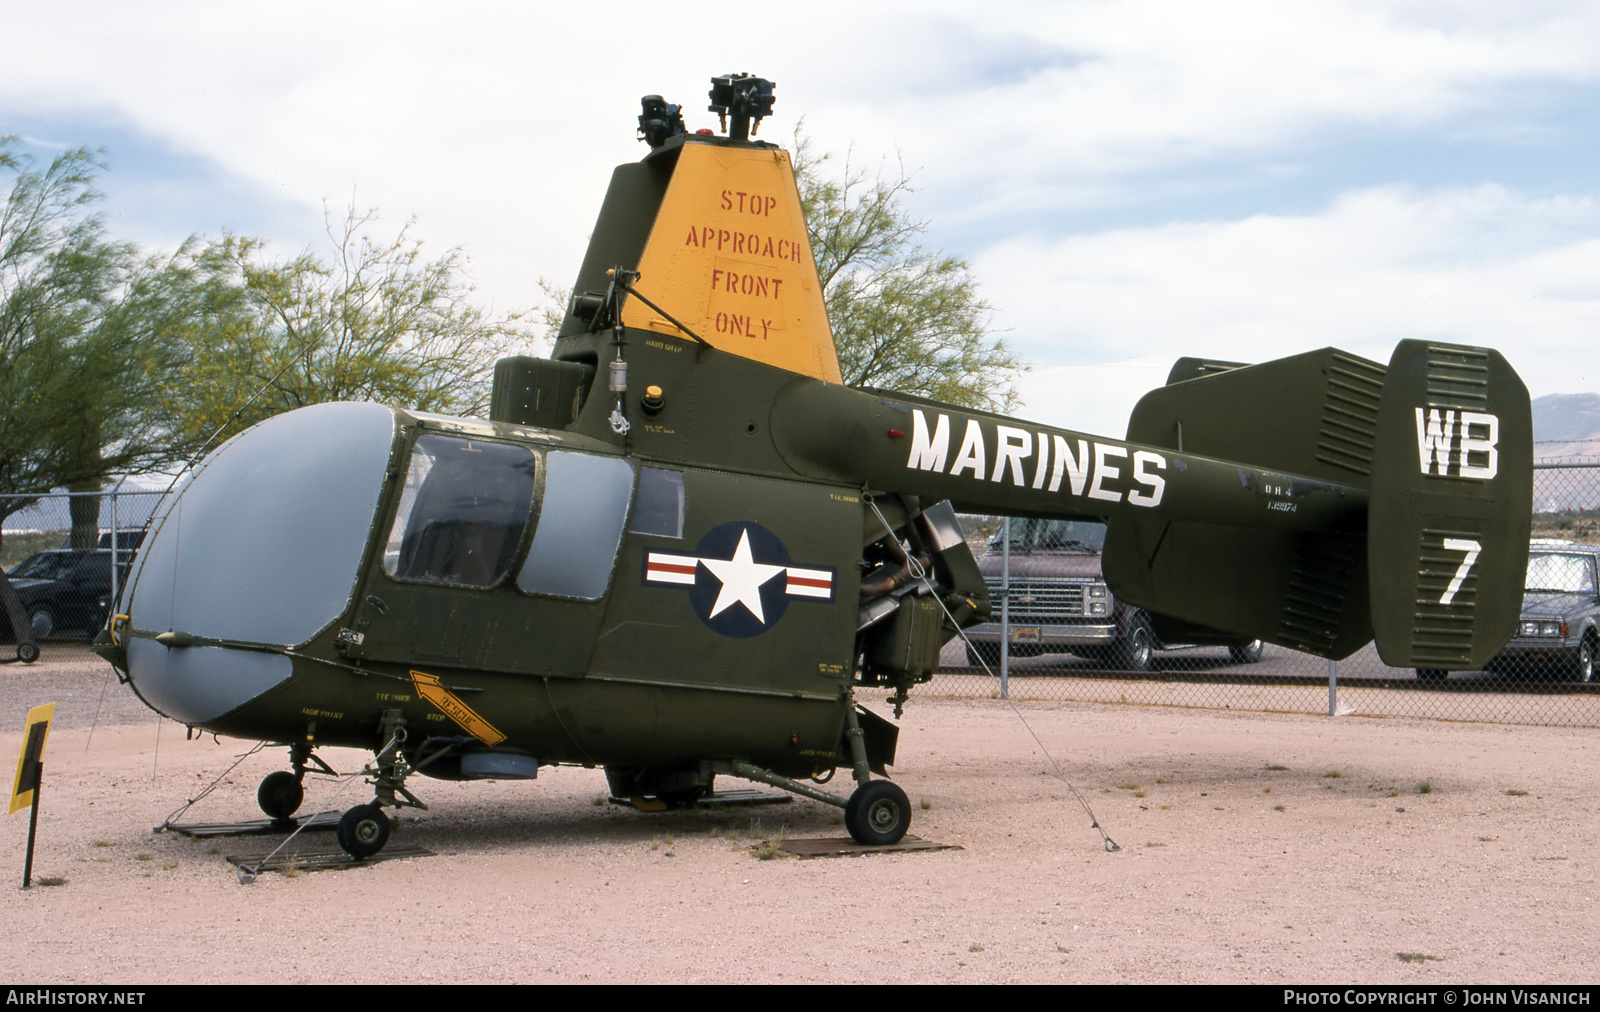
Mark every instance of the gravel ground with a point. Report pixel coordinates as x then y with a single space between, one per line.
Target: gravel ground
1439 853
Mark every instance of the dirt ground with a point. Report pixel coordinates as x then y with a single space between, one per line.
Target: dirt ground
1254 848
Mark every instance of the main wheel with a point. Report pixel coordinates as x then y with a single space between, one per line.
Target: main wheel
43 621
980 654
1137 650
689 796
1586 655
280 794
1432 674
1249 653
363 830
878 814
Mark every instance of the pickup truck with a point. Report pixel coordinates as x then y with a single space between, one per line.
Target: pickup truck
1059 601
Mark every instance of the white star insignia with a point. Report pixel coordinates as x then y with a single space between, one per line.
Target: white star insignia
742 579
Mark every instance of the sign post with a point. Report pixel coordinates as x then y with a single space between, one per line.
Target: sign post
30 773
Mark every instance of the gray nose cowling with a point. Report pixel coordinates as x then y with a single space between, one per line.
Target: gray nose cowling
262 548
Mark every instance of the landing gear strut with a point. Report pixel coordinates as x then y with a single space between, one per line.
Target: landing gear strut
877 813
364 829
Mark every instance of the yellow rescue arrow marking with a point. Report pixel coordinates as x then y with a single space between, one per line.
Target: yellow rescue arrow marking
428 688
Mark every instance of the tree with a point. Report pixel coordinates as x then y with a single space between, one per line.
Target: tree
904 317
81 348
375 321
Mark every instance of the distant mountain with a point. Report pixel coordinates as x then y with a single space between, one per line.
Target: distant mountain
1566 427
1566 416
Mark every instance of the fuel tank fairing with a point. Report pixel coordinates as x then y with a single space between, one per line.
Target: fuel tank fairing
262 548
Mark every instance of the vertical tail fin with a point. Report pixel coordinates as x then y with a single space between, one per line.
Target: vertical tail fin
1450 507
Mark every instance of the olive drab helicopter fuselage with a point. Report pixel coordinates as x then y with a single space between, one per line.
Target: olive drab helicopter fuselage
679 547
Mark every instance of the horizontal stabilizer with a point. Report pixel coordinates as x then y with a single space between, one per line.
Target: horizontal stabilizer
1313 414
1299 589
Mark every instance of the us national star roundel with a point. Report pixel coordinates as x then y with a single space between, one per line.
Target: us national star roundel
739 578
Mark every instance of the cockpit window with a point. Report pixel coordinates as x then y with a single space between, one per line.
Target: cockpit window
659 507
462 511
580 526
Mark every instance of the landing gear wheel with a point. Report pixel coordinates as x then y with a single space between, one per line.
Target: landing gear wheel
688 797
877 814
363 831
1432 674
280 795
27 653
1248 653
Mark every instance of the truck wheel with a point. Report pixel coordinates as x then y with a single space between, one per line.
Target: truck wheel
1136 651
43 621
980 654
1249 653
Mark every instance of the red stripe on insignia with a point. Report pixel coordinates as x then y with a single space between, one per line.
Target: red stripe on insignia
802 581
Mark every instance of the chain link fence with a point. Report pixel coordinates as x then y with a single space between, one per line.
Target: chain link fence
65 583
1067 638
1058 634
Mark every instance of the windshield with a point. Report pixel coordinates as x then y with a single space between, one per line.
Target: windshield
264 543
45 566
1029 535
1566 572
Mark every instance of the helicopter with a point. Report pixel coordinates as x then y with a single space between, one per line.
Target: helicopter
681 547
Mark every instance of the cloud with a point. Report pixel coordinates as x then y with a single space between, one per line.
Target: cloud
1088 135
1481 265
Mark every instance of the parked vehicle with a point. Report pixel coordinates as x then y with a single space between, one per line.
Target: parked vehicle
1059 601
62 591
1560 626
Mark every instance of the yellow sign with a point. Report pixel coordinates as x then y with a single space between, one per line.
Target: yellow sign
729 256
33 740
428 688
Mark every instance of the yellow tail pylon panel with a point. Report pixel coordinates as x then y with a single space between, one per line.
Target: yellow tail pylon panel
729 257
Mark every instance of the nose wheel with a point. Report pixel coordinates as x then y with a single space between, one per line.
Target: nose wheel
282 791
280 795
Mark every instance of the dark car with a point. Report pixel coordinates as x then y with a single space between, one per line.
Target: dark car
1059 601
1560 625
62 591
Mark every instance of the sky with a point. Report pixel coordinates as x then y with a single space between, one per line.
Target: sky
1130 182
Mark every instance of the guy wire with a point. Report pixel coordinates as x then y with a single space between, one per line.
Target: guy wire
917 571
